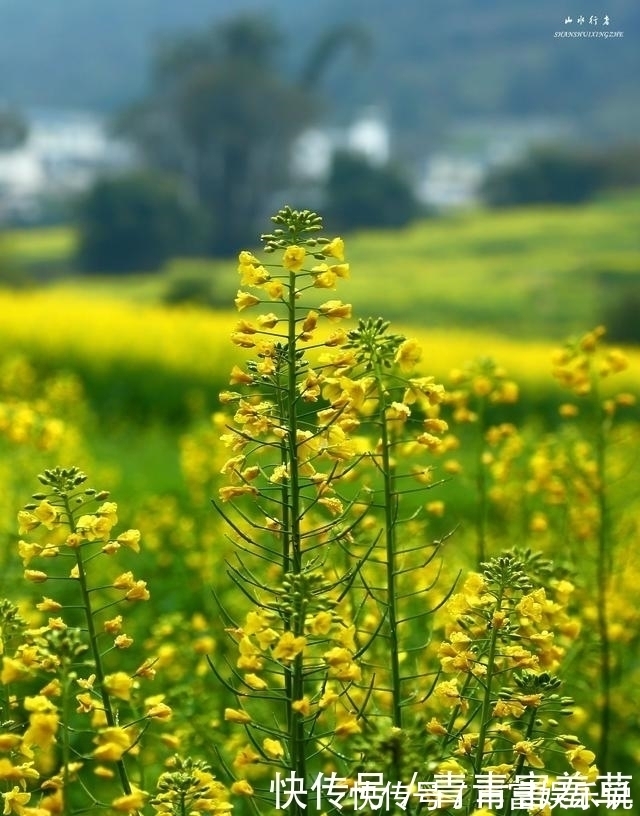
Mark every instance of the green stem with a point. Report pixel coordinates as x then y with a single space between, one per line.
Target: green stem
481 485
95 649
603 569
485 717
519 765
66 748
294 676
390 545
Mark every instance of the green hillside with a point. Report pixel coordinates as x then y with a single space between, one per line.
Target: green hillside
429 65
535 272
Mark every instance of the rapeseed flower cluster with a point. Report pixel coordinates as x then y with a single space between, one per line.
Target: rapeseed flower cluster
496 709
84 719
322 416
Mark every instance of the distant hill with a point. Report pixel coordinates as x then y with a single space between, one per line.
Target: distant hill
432 63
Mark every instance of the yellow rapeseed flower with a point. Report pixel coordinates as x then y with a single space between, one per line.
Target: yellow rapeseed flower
539 523
138 592
321 623
27 521
246 257
302 706
8 742
288 647
240 377
508 708
109 511
275 290
581 759
340 270
408 355
293 258
347 728
234 491
130 539
328 698
527 749
119 685
244 300
15 800
28 551
124 581
252 275
241 788
334 249
335 309
47 514
435 508
12 670
255 682
42 729
447 691
436 728
246 756
130 802
234 715
35 576
112 744
273 748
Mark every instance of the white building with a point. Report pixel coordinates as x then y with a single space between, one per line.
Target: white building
63 153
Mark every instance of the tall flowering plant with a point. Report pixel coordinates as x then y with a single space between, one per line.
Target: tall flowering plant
313 445
336 666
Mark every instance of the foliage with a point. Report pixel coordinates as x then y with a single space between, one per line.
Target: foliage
560 175
222 117
13 129
360 194
134 222
550 175
194 289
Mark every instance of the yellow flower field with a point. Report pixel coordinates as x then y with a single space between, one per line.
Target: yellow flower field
410 554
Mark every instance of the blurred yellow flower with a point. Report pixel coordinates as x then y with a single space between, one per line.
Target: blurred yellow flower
119 685
130 802
241 788
234 715
113 742
273 748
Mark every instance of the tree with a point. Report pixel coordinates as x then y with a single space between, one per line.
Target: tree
361 194
13 129
222 116
134 223
548 175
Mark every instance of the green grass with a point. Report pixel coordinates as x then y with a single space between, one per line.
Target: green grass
539 272
39 246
